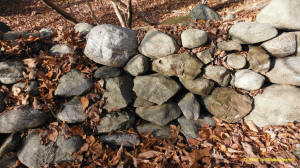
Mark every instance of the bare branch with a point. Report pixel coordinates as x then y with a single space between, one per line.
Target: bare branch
60 11
129 13
117 11
92 11
121 5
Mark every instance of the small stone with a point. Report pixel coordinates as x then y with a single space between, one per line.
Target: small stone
159 114
188 128
199 86
251 32
111 45
204 12
46 33
181 65
228 105
193 38
140 102
229 46
156 130
258 59
72 112
72 83
11 72
219 74
60 49
128 140
190 107
138 65
107 72
155 88
21 119
157 44
281 46
115 121
206 56
118 92
83 28
236 61
248 80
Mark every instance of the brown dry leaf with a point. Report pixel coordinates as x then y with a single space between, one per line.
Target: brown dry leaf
149 154
30 62
85 102
52 136
117 158
251 125
36 104
76 130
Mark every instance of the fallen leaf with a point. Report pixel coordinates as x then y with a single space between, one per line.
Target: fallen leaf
149 154
85 102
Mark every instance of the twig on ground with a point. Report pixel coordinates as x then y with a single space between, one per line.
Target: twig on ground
117 11
129 13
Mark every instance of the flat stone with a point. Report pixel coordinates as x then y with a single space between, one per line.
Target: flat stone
21 119
229 46
118 92
155 88
107 72
60 49
282 15
285 71
190 107
258 59
115 121
156 130
72 112
199 86
83 28
206 56
251 32
192 38
188 128
11 72
111 45
228 105
128 140
72 83
298 42
248 80
157 44
159 114
46 33
140 102
276 106
219 74
204 12
181 65
236 61
281 46
138 65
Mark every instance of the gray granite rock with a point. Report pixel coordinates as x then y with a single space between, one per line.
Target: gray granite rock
60 49
118 92
228 105
111 45
181 65
281 14
21 119
229 46
204 12
276 106
192 38
115 121
140 102
259 60
236 61
219 74
83 28
199 86
128 140
159 114
189 106
188 128
11 72
155 88
251 32
298 42
206 56
285 71
46 33
138 65
156 130
157 44
281 46
10 144
107 72
72 111
72 83
248 80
